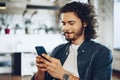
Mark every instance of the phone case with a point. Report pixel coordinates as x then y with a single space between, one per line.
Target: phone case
40 50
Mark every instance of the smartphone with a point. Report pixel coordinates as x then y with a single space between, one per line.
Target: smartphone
41 50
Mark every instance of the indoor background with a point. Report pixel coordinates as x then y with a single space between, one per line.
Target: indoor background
25 24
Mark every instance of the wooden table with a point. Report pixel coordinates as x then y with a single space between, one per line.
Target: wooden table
14 77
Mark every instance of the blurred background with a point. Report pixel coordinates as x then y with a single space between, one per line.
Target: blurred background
25 24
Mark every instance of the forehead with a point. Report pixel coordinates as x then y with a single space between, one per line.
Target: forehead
69 16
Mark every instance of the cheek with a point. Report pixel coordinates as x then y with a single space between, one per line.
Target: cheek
62 28
78 29
78 26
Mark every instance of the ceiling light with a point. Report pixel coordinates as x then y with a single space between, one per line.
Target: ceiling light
41 7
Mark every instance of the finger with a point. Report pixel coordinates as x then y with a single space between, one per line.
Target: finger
49 65
41 68
48 58
50 68
39 59
41 65
38 56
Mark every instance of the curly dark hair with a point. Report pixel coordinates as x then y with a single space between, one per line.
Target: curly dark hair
86 13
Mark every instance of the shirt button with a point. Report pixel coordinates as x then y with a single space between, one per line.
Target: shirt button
83 50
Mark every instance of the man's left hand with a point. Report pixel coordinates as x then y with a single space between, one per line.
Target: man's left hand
54 67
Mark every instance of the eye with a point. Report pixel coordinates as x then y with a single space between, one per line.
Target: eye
71 23
63 23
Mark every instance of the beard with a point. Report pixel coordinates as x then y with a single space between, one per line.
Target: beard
72 35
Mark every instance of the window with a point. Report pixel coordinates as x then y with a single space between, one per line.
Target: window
117 24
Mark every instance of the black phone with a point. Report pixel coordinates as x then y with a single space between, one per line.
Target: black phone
41 50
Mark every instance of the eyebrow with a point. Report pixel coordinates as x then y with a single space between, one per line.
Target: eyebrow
70 21
67 21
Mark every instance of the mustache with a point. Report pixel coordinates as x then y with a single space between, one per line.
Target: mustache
67 32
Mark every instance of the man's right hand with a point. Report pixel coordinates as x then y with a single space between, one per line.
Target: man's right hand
41 68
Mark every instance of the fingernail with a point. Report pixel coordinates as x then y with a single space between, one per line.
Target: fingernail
43 54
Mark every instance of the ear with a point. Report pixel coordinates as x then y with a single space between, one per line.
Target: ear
84 24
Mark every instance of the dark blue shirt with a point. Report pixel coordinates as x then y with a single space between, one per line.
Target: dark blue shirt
94 61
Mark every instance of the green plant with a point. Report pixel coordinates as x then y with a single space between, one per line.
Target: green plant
2 21
17 26
28 21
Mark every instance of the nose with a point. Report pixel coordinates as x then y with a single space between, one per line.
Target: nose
65 28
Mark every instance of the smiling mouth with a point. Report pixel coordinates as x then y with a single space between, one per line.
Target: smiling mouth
67 33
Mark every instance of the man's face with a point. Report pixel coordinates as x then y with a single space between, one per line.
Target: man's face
72 26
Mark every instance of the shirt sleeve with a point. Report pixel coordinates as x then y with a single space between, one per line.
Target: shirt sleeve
33 77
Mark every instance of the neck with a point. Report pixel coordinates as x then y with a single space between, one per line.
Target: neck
79 41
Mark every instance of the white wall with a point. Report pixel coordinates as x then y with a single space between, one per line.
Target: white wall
27 43
106 28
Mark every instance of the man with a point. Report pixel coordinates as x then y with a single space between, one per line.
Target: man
80 58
